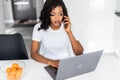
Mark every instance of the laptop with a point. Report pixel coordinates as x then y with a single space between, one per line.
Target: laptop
74 66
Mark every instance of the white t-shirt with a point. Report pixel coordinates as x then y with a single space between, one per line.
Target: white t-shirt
55 44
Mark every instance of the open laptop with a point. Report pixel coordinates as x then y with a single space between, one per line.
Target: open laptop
74 66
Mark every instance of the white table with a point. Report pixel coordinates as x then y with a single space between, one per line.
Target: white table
107 69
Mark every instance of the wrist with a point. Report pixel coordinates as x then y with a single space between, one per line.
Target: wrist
49 62
69 32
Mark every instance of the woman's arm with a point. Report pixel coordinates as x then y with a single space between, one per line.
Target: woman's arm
76 46
36 56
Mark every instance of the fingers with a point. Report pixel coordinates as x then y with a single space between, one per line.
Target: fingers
66 19
66 24
57 63
54 63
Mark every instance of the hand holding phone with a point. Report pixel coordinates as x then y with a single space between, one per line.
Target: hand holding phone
67 23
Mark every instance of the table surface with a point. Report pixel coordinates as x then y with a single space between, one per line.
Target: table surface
108 68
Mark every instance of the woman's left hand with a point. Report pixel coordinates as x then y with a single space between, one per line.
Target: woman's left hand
67 24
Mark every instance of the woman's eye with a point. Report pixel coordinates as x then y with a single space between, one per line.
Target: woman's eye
51 14
61 14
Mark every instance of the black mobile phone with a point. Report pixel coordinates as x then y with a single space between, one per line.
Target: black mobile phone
64 18
65 25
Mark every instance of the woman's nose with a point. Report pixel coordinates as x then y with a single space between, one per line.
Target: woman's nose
56 17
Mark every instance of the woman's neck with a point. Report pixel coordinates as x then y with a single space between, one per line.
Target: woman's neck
55 27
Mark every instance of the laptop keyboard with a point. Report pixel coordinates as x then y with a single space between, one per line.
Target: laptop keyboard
52 71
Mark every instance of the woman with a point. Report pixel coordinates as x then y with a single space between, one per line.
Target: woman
53 39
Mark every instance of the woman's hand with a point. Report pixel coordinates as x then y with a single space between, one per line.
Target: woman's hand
53 63
67 24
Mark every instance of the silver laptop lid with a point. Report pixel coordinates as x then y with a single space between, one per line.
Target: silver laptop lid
78 65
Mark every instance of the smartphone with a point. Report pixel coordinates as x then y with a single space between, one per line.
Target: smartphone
65 25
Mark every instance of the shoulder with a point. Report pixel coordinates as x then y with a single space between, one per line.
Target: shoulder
37 34
37 26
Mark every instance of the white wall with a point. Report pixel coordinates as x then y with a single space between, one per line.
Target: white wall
117 36
8 14
39 5
94 22
117 5
2 25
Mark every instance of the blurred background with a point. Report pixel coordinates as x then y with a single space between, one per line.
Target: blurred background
97 22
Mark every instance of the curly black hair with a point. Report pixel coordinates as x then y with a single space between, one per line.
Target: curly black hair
45 12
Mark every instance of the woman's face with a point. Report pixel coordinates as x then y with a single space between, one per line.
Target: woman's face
56 16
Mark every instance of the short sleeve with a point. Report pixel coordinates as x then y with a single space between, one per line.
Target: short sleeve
37 35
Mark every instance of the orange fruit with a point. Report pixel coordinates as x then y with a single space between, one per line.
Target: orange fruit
10 76
20 69
8 70
15 65
14 72
19 72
